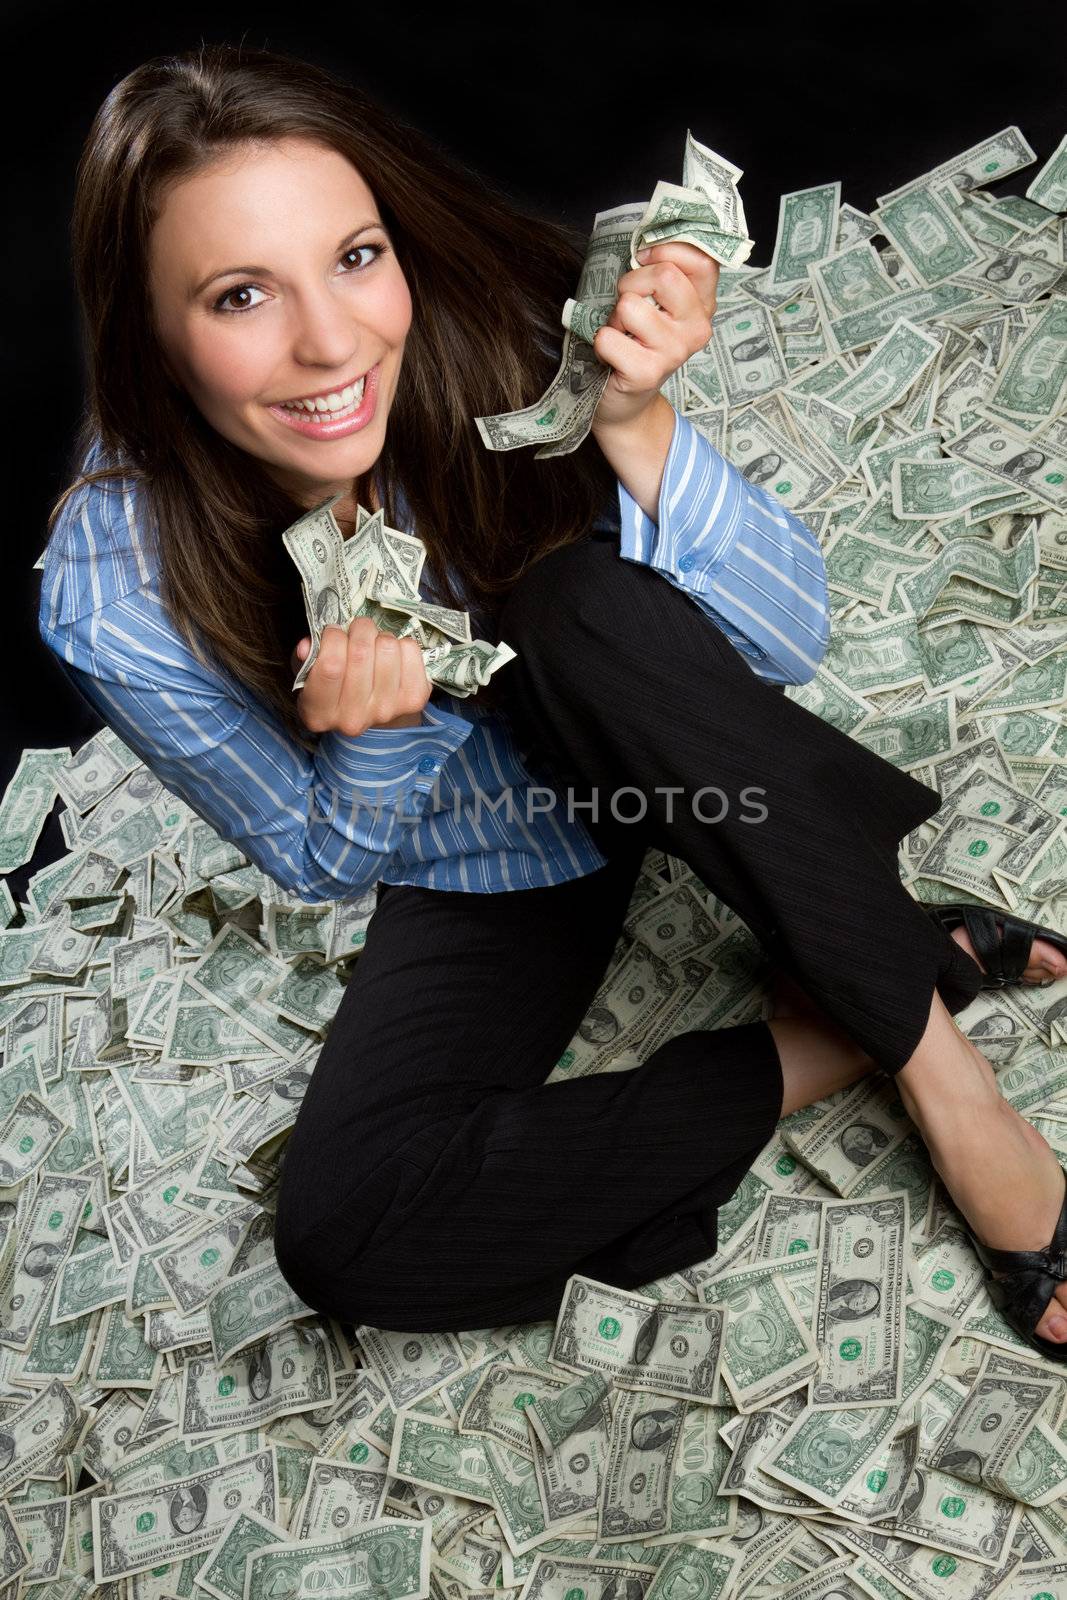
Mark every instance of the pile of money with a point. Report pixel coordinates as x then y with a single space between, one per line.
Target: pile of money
376 574
828 1406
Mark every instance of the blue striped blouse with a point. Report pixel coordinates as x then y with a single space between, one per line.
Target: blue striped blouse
426 805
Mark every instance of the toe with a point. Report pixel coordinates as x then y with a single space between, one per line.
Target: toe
1046 961
1050 961
1053 1324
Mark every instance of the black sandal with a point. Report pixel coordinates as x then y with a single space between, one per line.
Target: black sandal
1026 1283
1005 957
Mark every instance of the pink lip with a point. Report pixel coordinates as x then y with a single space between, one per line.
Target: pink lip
327 429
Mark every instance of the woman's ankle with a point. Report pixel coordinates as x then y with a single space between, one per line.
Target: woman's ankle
945 1072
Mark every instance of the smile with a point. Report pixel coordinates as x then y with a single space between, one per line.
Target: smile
334 415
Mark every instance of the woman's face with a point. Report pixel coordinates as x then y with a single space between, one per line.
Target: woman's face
307 310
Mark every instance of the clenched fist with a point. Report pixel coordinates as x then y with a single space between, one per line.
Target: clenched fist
363 678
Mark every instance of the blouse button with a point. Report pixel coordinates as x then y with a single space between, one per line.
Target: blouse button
686 562
426 764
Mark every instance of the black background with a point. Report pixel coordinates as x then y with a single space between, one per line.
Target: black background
572 109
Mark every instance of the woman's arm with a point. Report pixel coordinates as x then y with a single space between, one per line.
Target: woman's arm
750 564
324 825
638 451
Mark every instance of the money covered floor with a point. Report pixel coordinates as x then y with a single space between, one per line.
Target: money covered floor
770 1421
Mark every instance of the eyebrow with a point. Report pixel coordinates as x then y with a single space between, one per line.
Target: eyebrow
265 272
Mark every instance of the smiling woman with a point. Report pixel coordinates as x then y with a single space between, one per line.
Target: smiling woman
314 352
433 1178
253 238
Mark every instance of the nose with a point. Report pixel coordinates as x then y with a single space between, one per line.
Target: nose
325 333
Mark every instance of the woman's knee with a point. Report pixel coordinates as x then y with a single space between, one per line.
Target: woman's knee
326 1279
389 1288
297 1247
362 1255
295 1263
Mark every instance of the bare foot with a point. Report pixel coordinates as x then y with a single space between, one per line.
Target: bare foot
1000 1172
1046 962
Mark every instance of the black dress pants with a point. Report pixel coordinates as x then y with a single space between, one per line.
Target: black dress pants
433 1179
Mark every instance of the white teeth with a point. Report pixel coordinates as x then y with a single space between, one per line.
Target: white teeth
345 399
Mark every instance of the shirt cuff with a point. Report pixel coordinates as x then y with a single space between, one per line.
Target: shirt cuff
385 764
700 511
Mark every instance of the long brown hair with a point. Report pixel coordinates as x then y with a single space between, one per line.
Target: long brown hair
481 342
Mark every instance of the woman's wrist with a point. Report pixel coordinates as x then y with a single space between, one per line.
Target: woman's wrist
406 719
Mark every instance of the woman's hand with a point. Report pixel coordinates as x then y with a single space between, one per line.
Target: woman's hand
363 678
644 343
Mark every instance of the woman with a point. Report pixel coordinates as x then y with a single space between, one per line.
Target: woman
433 1179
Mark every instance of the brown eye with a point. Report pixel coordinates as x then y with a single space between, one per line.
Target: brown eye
242 288
227 294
